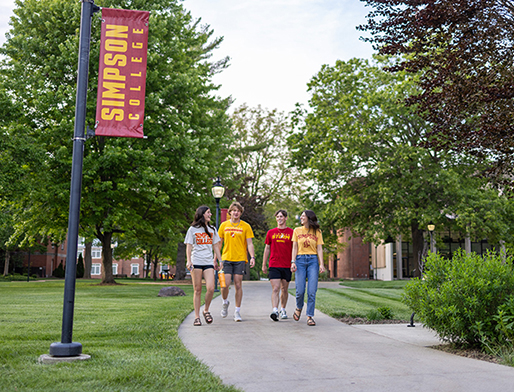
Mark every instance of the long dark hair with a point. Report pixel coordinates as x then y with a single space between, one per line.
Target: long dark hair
313 220
199 220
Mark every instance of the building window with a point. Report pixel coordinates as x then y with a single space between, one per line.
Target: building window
96 269
96 254
115 269
134 269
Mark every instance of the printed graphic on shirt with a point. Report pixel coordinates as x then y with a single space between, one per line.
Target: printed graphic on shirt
203 239
232 231
305 239
281 237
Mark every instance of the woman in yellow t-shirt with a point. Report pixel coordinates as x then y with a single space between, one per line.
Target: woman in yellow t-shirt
307 262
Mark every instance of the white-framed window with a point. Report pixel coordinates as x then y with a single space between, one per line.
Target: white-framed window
96 269
96 253
115 269
134 269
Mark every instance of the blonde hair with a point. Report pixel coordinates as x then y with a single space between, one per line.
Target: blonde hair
235 205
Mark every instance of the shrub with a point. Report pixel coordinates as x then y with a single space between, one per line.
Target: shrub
460 298
80 267
381 313
59 272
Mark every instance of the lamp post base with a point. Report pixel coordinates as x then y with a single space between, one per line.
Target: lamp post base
45 358
65 349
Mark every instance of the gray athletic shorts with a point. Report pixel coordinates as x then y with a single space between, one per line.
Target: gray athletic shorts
234 267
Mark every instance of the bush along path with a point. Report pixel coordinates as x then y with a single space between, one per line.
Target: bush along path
468 302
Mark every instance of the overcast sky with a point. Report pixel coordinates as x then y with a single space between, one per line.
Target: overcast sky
275 46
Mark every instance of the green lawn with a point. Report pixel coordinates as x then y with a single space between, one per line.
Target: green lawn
363 298
130 333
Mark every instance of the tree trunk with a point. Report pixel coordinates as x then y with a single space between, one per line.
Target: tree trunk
148 261
180 273
88 261
6 265
154 272
467 243
417 247
107 276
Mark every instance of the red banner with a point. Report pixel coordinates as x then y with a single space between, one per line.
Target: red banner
120 104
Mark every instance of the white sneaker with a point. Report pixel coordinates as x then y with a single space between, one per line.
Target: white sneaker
283 314
224 309
237 316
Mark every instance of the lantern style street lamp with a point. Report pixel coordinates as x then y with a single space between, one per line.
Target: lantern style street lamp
218 191
431 228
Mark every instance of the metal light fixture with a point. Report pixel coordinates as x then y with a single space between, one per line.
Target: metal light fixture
218 190
431 228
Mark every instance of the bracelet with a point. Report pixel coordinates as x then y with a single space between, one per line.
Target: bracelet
293 262
253 257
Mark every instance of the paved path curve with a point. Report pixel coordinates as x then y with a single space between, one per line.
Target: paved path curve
261 355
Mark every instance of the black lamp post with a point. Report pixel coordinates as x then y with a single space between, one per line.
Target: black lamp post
68 348
218 191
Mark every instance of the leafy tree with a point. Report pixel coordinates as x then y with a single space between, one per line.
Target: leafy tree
361 146
261 162
464 55
129 185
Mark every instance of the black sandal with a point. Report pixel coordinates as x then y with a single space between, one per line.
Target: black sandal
208 317
311 322
197 322
297 313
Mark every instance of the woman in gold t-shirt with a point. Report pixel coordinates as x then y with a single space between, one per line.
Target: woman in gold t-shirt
307 262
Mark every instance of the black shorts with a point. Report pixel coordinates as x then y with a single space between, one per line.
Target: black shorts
234 267
280 273
203 267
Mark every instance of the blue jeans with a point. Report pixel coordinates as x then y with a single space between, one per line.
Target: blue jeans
307 267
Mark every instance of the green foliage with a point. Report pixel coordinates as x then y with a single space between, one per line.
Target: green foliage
465 300
59 272
16 278
80 267
130 333
143 189
382 313
261 171
386 312
363 148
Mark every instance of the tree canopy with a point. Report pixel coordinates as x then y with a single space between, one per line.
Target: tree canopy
360 144
129 185
261 169
463 51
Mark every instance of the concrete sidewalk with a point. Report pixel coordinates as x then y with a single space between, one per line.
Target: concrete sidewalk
258 354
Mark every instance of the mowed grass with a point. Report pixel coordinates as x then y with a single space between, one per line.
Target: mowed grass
360 298
131 334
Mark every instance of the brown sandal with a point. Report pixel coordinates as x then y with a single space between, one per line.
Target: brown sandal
311 322
297 313
197 322
208 317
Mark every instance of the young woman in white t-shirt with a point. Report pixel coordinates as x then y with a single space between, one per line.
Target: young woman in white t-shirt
199 241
